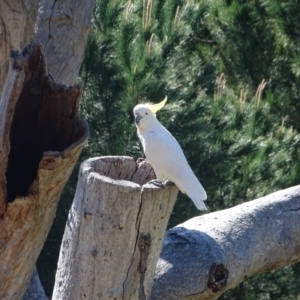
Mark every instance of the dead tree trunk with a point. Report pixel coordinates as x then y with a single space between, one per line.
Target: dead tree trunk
114 232
42 138
41 134
18 20
207 255
62 30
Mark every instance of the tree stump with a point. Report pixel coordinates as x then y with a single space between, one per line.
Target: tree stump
114 232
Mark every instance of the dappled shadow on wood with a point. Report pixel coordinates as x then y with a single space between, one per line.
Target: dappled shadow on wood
45 119
209 261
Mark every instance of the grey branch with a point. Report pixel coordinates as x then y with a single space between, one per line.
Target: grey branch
207 255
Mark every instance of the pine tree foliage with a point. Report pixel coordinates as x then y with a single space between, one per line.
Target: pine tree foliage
231 72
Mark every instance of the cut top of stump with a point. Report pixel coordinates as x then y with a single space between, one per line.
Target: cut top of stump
121 168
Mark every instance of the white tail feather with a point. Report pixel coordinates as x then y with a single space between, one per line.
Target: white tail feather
200 204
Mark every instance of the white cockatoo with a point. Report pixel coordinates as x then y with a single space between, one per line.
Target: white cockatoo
165 155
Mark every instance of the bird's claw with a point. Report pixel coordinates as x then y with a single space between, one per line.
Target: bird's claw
162 184
157 183
168 183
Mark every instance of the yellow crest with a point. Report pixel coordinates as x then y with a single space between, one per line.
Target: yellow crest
156 107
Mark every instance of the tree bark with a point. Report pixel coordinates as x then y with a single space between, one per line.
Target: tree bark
41 139
41 135
207 255
62 30
17 23
114 232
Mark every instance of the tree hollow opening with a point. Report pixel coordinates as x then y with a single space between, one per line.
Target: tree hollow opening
45 119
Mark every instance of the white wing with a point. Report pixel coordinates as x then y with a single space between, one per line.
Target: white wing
167 158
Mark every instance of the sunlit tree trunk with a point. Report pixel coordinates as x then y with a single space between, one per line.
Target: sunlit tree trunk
41 134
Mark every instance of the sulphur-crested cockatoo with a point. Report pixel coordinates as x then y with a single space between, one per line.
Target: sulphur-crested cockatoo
164 153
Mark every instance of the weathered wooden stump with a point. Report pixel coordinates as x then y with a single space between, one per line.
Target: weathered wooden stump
114 232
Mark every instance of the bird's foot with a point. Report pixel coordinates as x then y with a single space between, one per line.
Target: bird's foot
167 183
157 183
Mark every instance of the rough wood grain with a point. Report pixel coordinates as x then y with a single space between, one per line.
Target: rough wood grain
114 232
17 23
207 255
44 136
62 30
26 131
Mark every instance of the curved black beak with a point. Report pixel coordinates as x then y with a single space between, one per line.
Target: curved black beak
137 118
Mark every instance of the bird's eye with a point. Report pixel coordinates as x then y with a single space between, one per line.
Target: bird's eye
146 113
